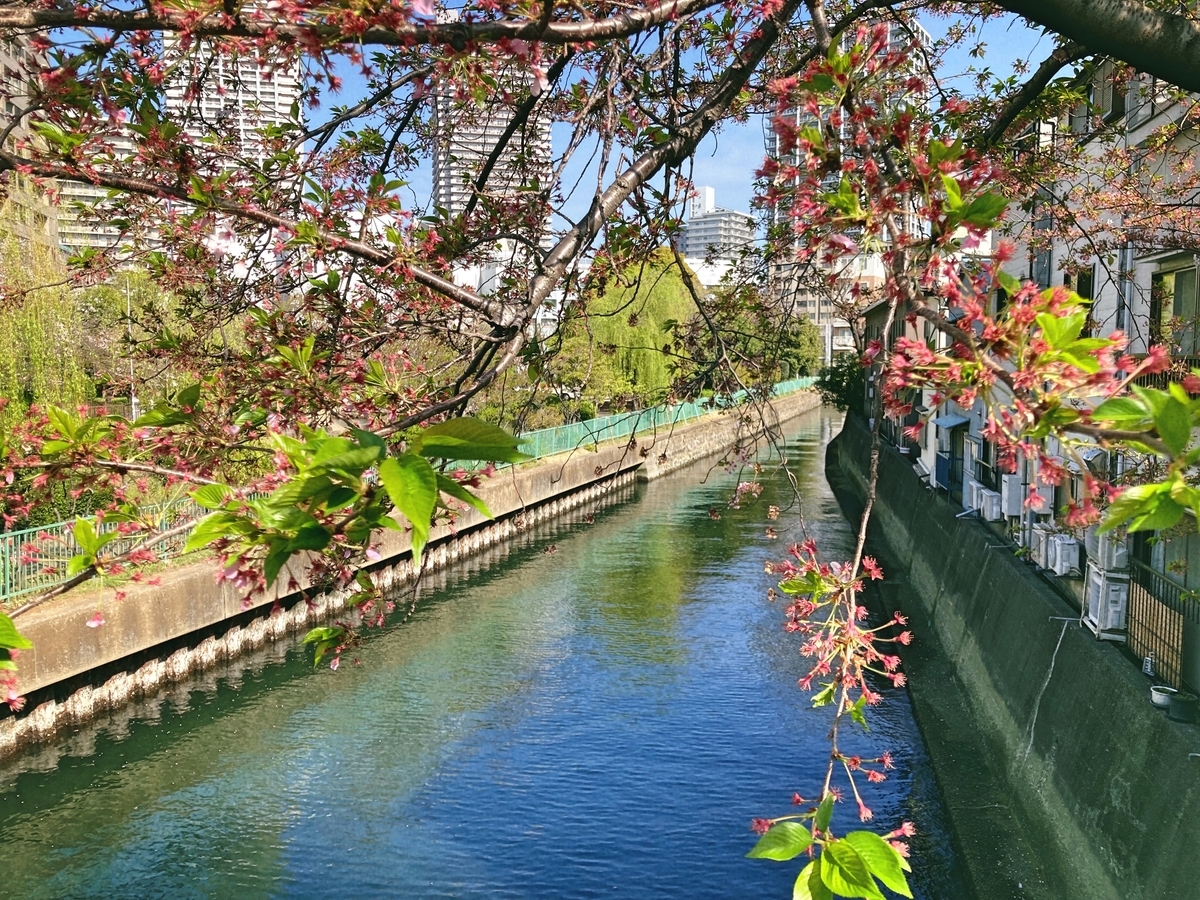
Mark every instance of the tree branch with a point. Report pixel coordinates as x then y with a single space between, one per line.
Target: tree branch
1030 91
150 188
262 25
1159 43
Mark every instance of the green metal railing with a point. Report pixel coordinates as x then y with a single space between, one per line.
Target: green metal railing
33 559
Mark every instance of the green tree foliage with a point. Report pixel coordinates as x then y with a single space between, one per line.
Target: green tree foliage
41 328
843 383
630 324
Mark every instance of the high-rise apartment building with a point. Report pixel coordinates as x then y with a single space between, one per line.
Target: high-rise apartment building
232 98
30 215
466 135
218 96
465 141
715 233
814 293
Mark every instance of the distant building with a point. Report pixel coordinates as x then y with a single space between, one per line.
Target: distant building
466 136
716 233
237 98
808 289
32 216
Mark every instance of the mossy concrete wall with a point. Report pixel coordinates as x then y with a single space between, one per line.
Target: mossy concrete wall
1084 790
191 619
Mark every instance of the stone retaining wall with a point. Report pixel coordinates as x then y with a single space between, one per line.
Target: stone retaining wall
1062 781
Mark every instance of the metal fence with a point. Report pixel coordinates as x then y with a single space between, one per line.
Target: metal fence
1181 366
549 441
1157 611
34 559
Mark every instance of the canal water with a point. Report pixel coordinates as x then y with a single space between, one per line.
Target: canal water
599 713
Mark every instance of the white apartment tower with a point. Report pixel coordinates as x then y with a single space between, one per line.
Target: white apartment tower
465 141
466 135
223 99
715 233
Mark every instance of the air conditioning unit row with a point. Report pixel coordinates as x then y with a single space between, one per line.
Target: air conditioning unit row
1107 596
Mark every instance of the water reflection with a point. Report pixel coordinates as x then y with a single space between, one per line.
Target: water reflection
601 721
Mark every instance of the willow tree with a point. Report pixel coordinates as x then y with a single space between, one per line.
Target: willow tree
42 330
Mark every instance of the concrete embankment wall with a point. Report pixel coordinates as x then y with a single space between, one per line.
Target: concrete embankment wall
189 621
1061 780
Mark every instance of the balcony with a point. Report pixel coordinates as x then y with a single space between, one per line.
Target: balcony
1159 613
1180 366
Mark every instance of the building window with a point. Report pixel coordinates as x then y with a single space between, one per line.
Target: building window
1085 287
1173 311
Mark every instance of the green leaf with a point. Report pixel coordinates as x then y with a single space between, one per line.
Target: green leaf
1155 400
350 462
326 638
783 841
458 492
311 537
10 638
468 438
78 563
954 199
1008 283
276 559
413 487
1163 513
856 712
189 396
884 860
818 84
984 210
161 416
824 813
324 633
1126 413
211 496
845 872
85 536
1174 424
809 885
213 527
370 439
824 696
1129 503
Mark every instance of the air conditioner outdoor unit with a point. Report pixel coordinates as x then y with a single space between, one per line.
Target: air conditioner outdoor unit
1039 540
1012 495
1064 553
1106 550
971 495
1107 603
989 505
